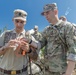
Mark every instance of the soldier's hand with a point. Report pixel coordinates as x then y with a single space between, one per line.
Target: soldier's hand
24 46
11 43
33 54
26 39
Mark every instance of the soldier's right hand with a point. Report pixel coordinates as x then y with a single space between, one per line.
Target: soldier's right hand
11 44
25 39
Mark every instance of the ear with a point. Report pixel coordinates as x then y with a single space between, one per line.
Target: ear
12 19
56 12
25 22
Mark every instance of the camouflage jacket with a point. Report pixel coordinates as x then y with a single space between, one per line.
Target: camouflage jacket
56 53
37 36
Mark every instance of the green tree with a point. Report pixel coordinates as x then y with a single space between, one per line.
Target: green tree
5 28
0 31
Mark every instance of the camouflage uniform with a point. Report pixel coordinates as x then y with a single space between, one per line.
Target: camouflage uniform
37 36
60 45
63 18
59 40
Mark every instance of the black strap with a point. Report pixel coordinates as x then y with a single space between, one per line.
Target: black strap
60 37
17 71
30 66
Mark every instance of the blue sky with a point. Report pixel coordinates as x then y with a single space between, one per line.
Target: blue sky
34 9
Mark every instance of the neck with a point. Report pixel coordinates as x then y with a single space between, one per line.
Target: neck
55 20
35 32
18 31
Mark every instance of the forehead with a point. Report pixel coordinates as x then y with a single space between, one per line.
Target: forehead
19 20
35 28
48 12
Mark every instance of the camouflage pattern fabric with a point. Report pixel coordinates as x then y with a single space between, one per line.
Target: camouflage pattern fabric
56 52
40 73
9 35
37 36
48 73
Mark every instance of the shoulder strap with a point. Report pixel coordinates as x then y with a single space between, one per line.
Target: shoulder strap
30 66
8 36
60 37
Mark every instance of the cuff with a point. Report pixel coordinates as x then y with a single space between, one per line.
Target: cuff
38 45
30 51
30 42
71 57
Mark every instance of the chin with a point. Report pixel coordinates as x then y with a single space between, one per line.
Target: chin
49 21
19 29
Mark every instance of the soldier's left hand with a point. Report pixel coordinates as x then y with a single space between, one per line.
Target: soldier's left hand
10 44
24 46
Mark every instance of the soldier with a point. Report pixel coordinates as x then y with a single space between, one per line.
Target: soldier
36 65
14 50
36 34
63 18
59 39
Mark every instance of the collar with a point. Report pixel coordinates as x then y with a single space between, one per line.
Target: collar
22 33
57 23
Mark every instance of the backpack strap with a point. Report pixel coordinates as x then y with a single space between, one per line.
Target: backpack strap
9 35
63 39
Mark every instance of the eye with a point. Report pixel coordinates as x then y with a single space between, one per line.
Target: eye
19 21
16 21
22 22
46 13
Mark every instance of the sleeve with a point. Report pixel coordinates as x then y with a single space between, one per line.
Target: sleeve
71 42
2 39
38 49
40 44
43 40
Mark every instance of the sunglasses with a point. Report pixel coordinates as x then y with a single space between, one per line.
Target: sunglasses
19 21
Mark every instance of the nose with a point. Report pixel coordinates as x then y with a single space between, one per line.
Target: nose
19 24
45 14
